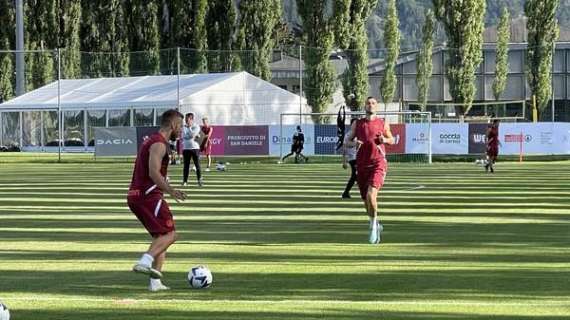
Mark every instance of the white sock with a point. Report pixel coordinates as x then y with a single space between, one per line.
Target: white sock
155 282
373 222
146 260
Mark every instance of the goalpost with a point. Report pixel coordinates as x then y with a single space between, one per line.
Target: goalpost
412 130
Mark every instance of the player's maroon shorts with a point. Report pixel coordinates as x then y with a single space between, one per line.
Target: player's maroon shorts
152 211
370 176
493 151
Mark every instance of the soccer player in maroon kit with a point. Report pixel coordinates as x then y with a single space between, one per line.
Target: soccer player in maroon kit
371 134
145 197
492 145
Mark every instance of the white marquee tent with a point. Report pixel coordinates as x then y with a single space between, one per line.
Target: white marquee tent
225 98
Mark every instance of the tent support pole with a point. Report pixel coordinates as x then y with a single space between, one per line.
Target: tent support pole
60 116
178 78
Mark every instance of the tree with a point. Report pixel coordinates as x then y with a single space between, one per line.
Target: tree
542 32
120 40
222 22
392 42
502 59
7 21
143 37
257 24
424 61
41 36
319 36
103 39
70 26
351 36
464 24
199 35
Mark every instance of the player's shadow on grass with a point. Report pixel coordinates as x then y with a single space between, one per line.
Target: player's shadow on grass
275 254
269 231
163 313
484 284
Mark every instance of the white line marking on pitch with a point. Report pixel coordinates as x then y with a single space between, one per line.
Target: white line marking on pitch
383 302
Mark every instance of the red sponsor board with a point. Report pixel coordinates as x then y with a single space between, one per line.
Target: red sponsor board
246 140
218 141
399 133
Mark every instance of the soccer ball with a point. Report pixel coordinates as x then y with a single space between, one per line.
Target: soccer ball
4 312
200 277
220 167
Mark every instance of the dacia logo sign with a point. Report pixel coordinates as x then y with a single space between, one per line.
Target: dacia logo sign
114 141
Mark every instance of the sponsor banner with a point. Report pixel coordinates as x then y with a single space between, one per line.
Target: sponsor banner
326 139
118 141
450 138
417 135
399 133
534 138
246 140
143 133
477 137
287 139
218 140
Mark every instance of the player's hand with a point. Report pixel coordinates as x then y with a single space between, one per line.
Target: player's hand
379 139
178 195
358 144
344 165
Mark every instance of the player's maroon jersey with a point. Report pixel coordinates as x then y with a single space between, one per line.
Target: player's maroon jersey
141 181
369 154
493 136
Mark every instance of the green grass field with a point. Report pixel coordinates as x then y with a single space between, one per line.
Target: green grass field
282 245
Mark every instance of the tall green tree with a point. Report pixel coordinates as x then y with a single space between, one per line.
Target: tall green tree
351 36
318 27
424 61
199 36
502 58
103 39
70 26
257 23
222 26
120 40
144 37
542 33
464 24
392 42
7 21
41 37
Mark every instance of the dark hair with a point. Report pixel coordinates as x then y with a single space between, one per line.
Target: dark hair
190 114
371 97
168 117
299 128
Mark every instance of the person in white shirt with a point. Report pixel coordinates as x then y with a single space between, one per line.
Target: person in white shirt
349 158
190 139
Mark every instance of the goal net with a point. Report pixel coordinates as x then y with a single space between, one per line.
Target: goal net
322 131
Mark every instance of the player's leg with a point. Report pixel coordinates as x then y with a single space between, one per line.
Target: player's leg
159 245
186 170
351 181
196 161
156 284
209 158
287 156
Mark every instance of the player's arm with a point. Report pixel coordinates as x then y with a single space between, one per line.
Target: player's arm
489 140
387 138
195 132
352 141
156 153
210 134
